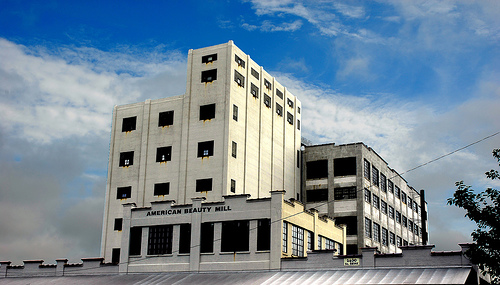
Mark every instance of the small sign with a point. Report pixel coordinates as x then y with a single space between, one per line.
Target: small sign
351 261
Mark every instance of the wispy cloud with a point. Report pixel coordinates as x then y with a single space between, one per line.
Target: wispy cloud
268 26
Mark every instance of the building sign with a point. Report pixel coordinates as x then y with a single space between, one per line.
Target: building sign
173 212
351 261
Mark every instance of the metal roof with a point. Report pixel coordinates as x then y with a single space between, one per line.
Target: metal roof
457 275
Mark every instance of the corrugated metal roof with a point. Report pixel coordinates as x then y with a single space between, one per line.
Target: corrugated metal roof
353 276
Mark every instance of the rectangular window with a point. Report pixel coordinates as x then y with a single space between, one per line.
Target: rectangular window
398 217
344 166
289 102
397 192
255 73
416 230
375 176
383 207
166 119
297 241
317 169
118 224
298 158
204 185
383 183
410 225
208 75
405 221
390 186
209 58
161 189
235 236
319 243
239 61
298 124
367 170
267 101
285 237
385 234
376 201
207 112
298 110
415 207
115 256
264 234
207 238
135 241
279 110
206 149
185 238
403 197
391 212
329 244
405 242
234 149
267 84
164 154
376 232
126 159
368 228
392 238
129 124
410 203
254 90
124 192
160 240
317 195
344 193
289 118
235 113
279 93
239 79
399 241
233 186
351 222
368 196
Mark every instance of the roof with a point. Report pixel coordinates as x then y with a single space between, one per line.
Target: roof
454 275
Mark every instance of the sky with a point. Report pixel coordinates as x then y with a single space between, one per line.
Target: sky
414 80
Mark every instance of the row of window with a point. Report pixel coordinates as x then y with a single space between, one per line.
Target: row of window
164 119
382 235
341 167
298 236
339 193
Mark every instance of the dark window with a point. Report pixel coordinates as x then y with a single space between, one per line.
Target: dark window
279 110
368 228
135 241
128 124
290 102
343 193
384 237
376 201
398 217
126 158
209 58
163 154
239 79
352 249
207 238
234 149
160 240
115 256
298 110
235 113
203 185
267 101
206 149
264 234
289 118
162 189
284 242
391 212
399 242
207 112
123 192
397 192
383 183
376 232
279 93
239 61
118 224
390 186
351 222
383 207
310 241
297 241
235 236
254 90
367 169
403 197
255 73
415 207
405 242
405 221
375 176
344 166
410 203
392 238
317 195
368 196
209 75
298 158
317 169
267 84
298 124
185 238
233 186
166 119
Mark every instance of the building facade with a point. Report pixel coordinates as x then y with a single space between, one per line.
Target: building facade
354 185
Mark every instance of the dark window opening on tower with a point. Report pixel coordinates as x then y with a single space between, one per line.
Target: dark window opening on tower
162 189
344 166
207 112
267 101
206 149
239 61
123 192
317 169
289 118
135 241
279 110
254 90
207 238
160 240
115 256
235 113
163 154
185 238
118 224
239 79
126 159
351 222
235 236
166 119
203 185
317 195
233 186
209 58
279 93
234 149
290 102
209 75
255 73
343 193
264 234
267 84
129 124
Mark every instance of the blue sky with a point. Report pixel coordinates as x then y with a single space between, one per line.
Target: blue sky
412 79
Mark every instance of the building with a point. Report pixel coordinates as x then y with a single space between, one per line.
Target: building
354 185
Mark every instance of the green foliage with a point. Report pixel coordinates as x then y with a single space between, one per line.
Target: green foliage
483 209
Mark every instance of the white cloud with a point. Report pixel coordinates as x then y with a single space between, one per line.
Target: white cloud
268 26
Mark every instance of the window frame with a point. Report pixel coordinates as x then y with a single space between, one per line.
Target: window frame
208 76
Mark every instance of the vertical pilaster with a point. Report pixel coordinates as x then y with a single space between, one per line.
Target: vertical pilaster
276 229
194 260
124 248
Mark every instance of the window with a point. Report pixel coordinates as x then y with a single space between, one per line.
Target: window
267 101
207 112
415 207
203 185
383 207
207 238
267 84
239 79
416 231
124 192
343 193
376 201
351 222
298 110
310 240
289 102
398 217
285 237
115 256
208 75
279 110
298 124
209 58
254 90
126 159
410 203
239 61
403 197
255 73
185 238
392 238
390 185
233 186
391 212
128 124
367 170
399 243
319 243
235 236
376 232
298 158
161 189
383 182
368 228
317 195
385 237
344 166
375 176
135 241
118 224
405 242
405 221
163 154
166 119
397 192
289 118
206 149
329 244
160 240
410 226
368 196
297 241
264 234
279 93
317 169
234 149
235 113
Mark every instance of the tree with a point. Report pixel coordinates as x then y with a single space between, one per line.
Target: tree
484 210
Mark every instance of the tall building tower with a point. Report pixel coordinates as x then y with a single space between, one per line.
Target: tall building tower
235 131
